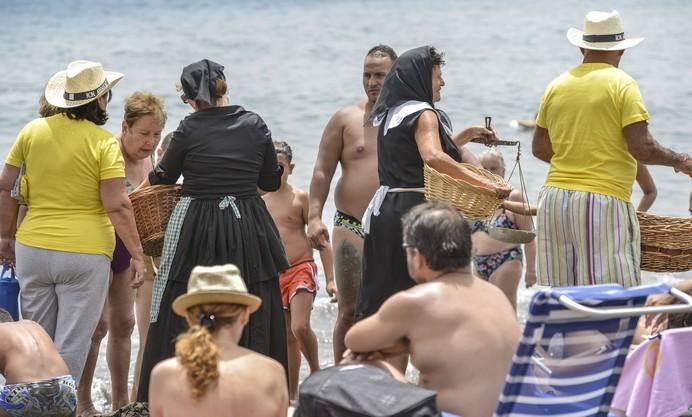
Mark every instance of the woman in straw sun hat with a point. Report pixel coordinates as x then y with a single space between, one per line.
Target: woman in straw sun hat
74 189
211 375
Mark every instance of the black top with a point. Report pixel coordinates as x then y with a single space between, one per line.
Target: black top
399 163
221 151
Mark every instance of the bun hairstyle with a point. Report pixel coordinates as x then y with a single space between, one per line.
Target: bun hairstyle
196 349
221 88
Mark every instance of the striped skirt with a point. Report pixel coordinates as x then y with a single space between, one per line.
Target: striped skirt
586 238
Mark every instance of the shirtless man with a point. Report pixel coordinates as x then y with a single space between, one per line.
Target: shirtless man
288 207
211 376
347 140
443 321
37 378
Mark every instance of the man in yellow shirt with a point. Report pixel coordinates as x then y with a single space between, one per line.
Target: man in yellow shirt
592 129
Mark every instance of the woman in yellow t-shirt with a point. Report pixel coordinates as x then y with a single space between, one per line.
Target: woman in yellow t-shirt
74 190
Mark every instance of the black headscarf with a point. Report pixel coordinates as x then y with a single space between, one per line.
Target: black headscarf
199 80
410 78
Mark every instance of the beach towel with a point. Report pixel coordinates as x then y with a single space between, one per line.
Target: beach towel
657 378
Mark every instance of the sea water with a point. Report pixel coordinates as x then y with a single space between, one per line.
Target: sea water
297 62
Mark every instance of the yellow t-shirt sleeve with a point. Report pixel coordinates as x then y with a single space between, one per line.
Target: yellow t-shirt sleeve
112 163
540 117
633 109
17 155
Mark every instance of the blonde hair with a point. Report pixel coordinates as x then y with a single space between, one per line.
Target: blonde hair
221 88
495 153
142 103
196 349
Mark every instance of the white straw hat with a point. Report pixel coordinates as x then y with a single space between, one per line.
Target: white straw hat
81 83
603 31
215 285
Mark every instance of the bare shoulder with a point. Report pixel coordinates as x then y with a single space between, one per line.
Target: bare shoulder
299 193
264 369
264 362
6 330
30 324
345 114
408 300
166 369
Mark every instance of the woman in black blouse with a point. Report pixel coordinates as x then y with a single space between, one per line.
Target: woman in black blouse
411 132
225 154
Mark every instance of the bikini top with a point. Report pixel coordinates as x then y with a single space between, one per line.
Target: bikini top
129 187
501 220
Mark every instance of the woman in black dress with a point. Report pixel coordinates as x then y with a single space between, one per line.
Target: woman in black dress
225 154
411 132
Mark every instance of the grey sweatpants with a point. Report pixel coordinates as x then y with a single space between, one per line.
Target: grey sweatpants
64 292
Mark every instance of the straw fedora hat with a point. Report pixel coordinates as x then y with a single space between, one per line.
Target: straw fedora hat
82 83
603 31
220 284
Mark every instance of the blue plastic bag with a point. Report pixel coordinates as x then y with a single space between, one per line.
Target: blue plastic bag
9 291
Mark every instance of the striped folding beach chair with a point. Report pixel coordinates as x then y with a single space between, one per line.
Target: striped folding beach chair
574 345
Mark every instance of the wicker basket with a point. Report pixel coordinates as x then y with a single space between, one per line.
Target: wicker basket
505 234
153 207
473 201
666 243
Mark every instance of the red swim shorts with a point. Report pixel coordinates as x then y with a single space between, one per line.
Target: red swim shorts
301 276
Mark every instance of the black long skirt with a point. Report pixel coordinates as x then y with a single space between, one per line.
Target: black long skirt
243 234
384 261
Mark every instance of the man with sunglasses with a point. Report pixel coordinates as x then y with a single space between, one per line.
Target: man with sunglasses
443 322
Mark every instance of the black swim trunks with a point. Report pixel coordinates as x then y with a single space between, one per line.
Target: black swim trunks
349 222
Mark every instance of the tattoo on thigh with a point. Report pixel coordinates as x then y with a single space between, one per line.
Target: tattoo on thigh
348 269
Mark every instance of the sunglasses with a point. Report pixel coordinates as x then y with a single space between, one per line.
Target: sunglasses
184 98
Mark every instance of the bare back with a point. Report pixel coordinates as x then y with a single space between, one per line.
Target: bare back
289 208
27 354
249 385
462 341
359 179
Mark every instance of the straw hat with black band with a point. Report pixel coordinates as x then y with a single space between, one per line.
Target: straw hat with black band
82 83
603 31
220 284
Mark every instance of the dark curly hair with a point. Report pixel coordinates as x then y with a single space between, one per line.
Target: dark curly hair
437 57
